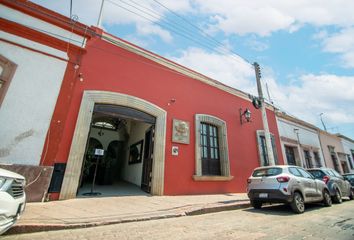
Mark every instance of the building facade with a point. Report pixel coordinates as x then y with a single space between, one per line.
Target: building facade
333 151
348 147
115 112
300 142
35 55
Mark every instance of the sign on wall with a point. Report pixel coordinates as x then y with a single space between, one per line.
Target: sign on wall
180 131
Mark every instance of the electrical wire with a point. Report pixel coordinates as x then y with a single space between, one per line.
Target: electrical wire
145 61
207 45
171 23
94 33
201 30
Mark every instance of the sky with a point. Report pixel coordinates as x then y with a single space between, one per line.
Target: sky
305 48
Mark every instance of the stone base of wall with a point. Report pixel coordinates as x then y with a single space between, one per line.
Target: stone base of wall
37 179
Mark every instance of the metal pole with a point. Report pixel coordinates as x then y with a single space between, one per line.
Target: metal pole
99 21
268 141
324 126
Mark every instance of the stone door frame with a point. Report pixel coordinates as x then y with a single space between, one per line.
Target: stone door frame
77 149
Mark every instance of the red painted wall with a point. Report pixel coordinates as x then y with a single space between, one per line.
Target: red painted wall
109 68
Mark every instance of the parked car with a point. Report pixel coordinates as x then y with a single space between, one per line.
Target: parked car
12 198
350 178
337 185
286 184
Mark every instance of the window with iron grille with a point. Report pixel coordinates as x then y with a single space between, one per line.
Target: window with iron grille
210 149
308 159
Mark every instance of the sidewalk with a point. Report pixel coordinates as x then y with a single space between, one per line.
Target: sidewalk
89 212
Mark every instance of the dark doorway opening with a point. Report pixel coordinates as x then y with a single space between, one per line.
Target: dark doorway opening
123 135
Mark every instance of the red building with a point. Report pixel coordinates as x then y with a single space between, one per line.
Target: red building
163 127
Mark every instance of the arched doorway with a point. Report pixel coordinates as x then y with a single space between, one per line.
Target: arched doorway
82 129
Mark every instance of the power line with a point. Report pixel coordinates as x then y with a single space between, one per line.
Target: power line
155 65
174 24
94 33
207 45
201 30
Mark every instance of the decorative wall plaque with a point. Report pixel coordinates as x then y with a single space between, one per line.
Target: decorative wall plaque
180 131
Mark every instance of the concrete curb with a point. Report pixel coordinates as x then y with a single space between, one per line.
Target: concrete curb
31 228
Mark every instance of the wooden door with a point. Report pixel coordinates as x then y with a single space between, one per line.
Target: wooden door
148 159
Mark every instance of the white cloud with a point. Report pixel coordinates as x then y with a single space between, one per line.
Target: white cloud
314 94
305 98
121 12
233 71
146 29
264 17
343 44
256 45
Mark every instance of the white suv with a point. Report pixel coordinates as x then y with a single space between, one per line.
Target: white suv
286 184
12 198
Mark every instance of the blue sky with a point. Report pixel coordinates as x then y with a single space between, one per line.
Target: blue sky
305 48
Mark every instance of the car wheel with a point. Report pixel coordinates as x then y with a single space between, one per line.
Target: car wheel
337 197
256 204
351 196
298 204
327 201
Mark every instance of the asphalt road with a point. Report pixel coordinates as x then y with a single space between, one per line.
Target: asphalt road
271 222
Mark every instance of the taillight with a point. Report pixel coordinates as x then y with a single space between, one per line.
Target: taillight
249 180
282 179
325 179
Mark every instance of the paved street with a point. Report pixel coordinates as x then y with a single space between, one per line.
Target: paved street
273 222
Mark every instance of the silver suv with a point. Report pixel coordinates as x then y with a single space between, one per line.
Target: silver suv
286 184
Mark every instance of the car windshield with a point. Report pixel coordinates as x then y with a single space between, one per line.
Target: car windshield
318 174
266 172
349 177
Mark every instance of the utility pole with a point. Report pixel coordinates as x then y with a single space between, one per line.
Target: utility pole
268 141
99 21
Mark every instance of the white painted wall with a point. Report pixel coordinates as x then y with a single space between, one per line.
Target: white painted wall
306 135
26 111
132 173
348 146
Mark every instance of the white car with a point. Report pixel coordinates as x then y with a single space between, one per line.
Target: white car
12 198
286 184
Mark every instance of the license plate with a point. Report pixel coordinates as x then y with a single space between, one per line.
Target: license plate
263 195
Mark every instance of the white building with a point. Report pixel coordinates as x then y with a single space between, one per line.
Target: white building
35 55
348 147
299 142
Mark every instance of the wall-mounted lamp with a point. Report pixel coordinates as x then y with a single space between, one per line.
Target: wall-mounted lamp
245 116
